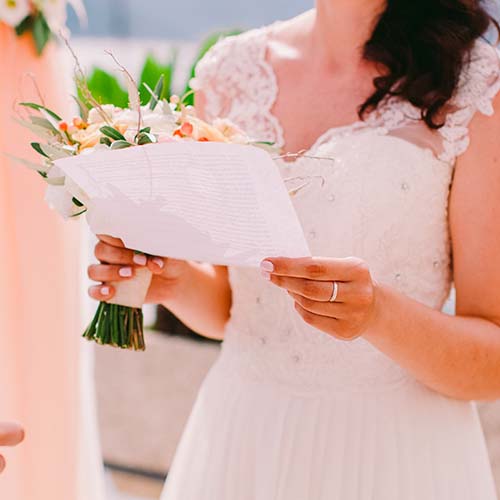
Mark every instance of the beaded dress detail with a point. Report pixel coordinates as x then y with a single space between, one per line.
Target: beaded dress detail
288 412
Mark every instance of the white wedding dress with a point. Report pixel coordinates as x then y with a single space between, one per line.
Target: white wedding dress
288 412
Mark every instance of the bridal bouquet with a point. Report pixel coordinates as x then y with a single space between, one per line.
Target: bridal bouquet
42 18
105 127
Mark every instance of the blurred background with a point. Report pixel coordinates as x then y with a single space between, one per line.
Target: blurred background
141 422
144 399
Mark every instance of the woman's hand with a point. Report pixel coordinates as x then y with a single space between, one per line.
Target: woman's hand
10 435
118 263
310 281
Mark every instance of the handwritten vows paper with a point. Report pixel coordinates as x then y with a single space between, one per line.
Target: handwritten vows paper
219 203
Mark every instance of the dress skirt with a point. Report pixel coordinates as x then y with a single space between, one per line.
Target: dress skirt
249 439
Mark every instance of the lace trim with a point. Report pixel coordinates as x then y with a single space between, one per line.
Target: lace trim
240 83
478 86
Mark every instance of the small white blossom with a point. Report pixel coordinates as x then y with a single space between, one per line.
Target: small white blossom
12 12
60 197
95 115
60 200
55 14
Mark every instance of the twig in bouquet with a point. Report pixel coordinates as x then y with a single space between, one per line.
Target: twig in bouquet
32 77
16 104
81 82
307 179
302 154
133 89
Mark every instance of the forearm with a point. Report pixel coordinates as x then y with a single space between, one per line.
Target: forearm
202 299
456 356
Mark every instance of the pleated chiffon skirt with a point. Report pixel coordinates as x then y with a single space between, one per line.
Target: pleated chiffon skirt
252 440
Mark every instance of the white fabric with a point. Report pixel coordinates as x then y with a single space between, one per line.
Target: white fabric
288 412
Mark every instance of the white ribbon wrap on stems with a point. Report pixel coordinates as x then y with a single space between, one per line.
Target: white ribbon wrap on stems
133 292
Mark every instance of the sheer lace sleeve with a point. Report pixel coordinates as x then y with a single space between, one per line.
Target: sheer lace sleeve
238 83
479 84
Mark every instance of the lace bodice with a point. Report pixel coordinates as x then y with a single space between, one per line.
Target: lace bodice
384 198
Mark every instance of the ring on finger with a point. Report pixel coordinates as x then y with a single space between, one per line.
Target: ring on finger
335 292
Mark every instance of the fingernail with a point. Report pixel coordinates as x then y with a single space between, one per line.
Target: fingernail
267 265
105 290
266 275
140 259
125 272
159 262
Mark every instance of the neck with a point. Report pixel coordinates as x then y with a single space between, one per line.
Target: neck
342 27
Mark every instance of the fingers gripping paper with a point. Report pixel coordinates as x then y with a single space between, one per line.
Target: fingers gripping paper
220 203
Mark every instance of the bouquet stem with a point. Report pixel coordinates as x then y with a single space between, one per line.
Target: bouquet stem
120 322
118 326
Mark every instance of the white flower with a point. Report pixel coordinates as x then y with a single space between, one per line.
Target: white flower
55 14
12 12
157 120
98 148
60 197
80 11
60 200
95 115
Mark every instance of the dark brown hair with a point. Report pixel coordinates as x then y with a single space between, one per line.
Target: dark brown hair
423 44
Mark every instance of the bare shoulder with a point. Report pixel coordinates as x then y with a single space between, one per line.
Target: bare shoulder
475 198
479 93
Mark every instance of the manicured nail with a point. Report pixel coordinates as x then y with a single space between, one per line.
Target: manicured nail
105 290
266 275
125 272
267 265
140 259
159 262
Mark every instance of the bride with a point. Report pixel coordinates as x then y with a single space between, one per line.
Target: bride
339 377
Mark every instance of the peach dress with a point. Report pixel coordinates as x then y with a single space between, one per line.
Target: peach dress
40 302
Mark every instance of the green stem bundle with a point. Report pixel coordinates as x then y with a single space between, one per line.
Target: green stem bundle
118 326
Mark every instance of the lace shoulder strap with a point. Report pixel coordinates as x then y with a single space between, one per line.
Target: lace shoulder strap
479 84
238 83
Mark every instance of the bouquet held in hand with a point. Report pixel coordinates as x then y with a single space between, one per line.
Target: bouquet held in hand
108 128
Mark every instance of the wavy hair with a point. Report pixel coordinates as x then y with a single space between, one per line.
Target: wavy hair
424 45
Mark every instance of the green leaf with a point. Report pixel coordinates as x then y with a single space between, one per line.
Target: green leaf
142 132
151 74
206 45
44 123
25 25
56 181
77 202
105 140
78 214
41 32
112 133
27 163
83 108
55 151
120 145
39 107
106 89
43 133
157 92
145 138
38 148
270 147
